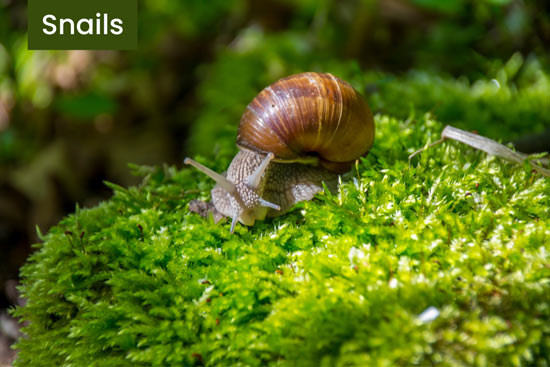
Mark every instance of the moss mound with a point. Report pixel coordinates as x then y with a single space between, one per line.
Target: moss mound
444 261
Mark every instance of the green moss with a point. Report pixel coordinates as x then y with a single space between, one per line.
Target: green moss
338 281
513 100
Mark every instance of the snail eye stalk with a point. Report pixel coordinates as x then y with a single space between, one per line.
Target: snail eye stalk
222 181
254 179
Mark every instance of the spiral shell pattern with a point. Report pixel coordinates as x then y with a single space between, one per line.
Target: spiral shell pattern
309 114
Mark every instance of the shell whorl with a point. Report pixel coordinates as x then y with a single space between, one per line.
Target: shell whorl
309 114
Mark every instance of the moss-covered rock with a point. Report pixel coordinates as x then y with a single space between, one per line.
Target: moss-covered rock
441 261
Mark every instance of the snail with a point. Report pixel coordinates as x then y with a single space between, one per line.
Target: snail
299 132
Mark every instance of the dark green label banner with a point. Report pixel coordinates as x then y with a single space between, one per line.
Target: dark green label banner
82 25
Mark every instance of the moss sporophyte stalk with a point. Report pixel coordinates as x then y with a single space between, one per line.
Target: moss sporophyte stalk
444 260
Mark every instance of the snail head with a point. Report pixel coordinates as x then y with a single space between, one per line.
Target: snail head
240 200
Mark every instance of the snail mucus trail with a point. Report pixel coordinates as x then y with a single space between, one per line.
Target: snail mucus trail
297 133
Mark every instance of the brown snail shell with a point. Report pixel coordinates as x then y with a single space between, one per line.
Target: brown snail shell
309 114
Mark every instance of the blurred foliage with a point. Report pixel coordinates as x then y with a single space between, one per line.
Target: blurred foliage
511 100
71 119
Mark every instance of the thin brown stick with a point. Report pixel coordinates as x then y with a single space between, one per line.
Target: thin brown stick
485 144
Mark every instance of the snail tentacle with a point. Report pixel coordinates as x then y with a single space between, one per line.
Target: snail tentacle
220 180
233 222
268 204
254 179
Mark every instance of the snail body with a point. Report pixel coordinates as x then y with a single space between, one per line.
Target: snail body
297 133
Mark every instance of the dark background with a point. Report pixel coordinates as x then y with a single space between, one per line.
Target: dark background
71 119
